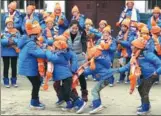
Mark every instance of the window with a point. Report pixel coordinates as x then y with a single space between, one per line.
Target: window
20 3
2 4
38 3
153 3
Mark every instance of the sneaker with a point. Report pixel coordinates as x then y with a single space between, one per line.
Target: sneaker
14 82
110 85
127 82
119 81
94 79
79 105
157 82
6 82
69 106
137 86
144 109
85 95
59 102
36 105
96 110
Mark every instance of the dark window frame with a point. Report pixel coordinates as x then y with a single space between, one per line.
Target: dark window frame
153 3
20 3
38 3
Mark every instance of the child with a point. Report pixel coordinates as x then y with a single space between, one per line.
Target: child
99 65
65 65
59 19
42 22
155 19
111 51
28 65
155 31
9 51
124 45
143 64
102 25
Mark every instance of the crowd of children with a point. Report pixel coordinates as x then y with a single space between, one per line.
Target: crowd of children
69 51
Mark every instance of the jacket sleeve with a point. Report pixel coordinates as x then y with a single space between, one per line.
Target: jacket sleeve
127 43
35 51
17 38
53 57
84 42
149 23
124 68
23 25
66 23
19 22
4 41
159 22
95 32
113 46
82 21
87 72
74 62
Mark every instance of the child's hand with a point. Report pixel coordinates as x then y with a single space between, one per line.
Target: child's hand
131 91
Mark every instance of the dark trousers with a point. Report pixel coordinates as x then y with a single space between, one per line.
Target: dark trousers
36 82
64 90
6 64
83 82
123 75
144 88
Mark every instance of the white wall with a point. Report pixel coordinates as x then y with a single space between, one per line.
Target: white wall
141 6
51 5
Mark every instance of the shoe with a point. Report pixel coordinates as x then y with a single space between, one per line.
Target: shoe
94 79
96 106
144 109
137 86
59 102
6 82
69 106
85 95
119 81
127 82
14 82
36 105
157 82
79 105
110 85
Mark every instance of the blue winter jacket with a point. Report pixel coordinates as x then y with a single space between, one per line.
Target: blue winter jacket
48 41
17 19
6 50
149 22
81 21
154 47
96 33
65 63
149 64
64 26
27 62
43 24
103 69
35 18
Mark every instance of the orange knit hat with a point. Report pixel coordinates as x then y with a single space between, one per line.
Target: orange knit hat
31 7
140 26
155 30
107 29
61 42
75 9
156 10
126 22
57 6
9 19
145 30
139 43
128 1
88 21
49 19
13 5
32 28
103 22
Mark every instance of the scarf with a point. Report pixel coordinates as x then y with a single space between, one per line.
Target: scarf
12 15
154 21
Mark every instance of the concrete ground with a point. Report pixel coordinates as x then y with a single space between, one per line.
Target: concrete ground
15 101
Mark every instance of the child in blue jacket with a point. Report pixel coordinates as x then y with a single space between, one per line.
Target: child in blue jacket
99 65
15 14
65 65
28 64
148 67
9 51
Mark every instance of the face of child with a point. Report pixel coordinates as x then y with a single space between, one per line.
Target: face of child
106 35
10 10
144 35
49 25
102 26
57 11
130 5
124 28
9 25
29 11
74 29
75 14
156 15
87 26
